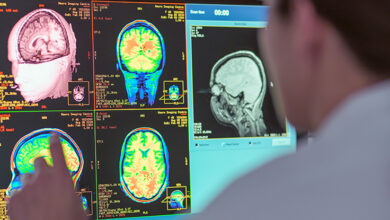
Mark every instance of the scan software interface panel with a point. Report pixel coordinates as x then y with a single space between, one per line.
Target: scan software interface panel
158 106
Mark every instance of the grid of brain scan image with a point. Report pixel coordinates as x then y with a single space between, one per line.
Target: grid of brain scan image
110 79
128 86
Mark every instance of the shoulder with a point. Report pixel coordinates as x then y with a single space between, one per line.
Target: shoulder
312 184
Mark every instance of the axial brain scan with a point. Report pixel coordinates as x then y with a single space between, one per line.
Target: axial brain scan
144 166
238 86
42 50
36 144
141 58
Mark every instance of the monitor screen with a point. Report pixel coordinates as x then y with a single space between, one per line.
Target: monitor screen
159 105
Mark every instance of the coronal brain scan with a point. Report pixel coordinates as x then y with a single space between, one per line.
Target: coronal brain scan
238 87
141 59
36 144
42 50
144 165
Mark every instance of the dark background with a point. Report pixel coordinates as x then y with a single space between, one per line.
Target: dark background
242 2
109 152
205 53
105 46
83 42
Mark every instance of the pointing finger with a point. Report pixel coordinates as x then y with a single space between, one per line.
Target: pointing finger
57 154
27 179
40 164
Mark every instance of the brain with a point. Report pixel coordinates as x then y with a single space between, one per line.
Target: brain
241 74
144 165
37 145
42 38
140 48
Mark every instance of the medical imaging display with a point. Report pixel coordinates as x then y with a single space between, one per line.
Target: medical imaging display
131 88
43 53
21 145
140 50
140 163
231 87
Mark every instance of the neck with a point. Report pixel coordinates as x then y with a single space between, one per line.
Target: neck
341 75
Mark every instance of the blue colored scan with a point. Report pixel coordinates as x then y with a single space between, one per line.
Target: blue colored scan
144 165
36 144
177 200
174 92
85 203
141 57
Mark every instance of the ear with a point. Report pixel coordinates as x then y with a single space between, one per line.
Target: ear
309 33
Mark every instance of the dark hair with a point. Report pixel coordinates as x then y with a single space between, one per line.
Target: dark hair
364 25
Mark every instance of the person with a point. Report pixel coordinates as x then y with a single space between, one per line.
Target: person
330 61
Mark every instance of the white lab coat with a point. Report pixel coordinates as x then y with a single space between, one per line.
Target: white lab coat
344 173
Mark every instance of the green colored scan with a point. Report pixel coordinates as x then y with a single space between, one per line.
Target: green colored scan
39 147
144 165
37 144
140 50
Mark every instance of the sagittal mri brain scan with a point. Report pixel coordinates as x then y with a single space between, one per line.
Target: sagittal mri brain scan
177 199
36 144
141 59
42 50
144 165
238 87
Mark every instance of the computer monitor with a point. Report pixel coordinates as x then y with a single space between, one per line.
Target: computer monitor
159 105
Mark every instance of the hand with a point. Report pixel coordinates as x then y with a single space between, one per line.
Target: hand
48 193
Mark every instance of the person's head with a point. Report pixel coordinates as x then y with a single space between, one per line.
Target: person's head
42 50
321 51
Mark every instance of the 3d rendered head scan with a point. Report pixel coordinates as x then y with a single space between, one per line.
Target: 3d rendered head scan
36 144
144 165
140 53
238 86
42 50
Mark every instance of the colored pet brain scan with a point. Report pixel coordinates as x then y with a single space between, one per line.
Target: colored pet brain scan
174 92
177 199
42 50
141 58
36 144
144 165
238 87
